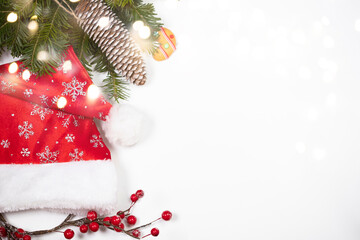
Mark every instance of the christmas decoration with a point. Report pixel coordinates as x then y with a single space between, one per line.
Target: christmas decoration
40 31
94 224
167 46
110 34
50 141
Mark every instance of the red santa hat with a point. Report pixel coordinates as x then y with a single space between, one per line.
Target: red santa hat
52 155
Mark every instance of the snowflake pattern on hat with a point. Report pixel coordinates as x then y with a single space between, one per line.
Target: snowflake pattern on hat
45 133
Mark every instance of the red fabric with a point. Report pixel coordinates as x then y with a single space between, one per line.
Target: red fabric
33 130
44 91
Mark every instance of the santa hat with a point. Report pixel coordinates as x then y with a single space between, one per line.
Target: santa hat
52 155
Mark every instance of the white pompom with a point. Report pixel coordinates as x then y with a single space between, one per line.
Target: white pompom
123 125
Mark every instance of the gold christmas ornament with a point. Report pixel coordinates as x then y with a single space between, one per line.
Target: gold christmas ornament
167 45
110 34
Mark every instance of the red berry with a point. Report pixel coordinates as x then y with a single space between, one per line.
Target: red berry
84 228
136 233
26 237
131 220
69 234
115 220
94 226
155 232
139 193
2 232
166 215
122 216
119 228
92 215
133 197
19 233
106 221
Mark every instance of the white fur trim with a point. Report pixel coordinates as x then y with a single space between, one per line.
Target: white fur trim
73 187
123 125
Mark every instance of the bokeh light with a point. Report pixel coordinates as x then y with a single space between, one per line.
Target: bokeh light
138 25
93 92
13 67
104 22
43 56
61 103
12 17
26 75
144 32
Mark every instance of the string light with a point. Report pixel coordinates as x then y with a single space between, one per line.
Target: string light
33 26
13 67
144 32
138 25
43 56
26 75
61 103
93 92
12 17
103 22
74 1
67 66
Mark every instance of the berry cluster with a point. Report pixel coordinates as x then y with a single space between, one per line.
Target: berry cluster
92 222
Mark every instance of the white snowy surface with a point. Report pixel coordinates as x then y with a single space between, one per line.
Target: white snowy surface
253 125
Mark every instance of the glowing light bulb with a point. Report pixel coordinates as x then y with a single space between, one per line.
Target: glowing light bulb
93 92
12 17
33 26
43 56
74 1
61 103
34 17
67 66
13 67
138 25
26 75
103 22
144 32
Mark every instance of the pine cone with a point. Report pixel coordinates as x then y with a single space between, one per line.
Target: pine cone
113 39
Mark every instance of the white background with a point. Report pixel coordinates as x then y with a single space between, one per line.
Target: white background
252 126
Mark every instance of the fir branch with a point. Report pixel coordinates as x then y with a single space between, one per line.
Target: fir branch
119 3
82 47
115 86
24 8
50 37
131 13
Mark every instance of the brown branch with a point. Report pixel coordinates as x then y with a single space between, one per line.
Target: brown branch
71 12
